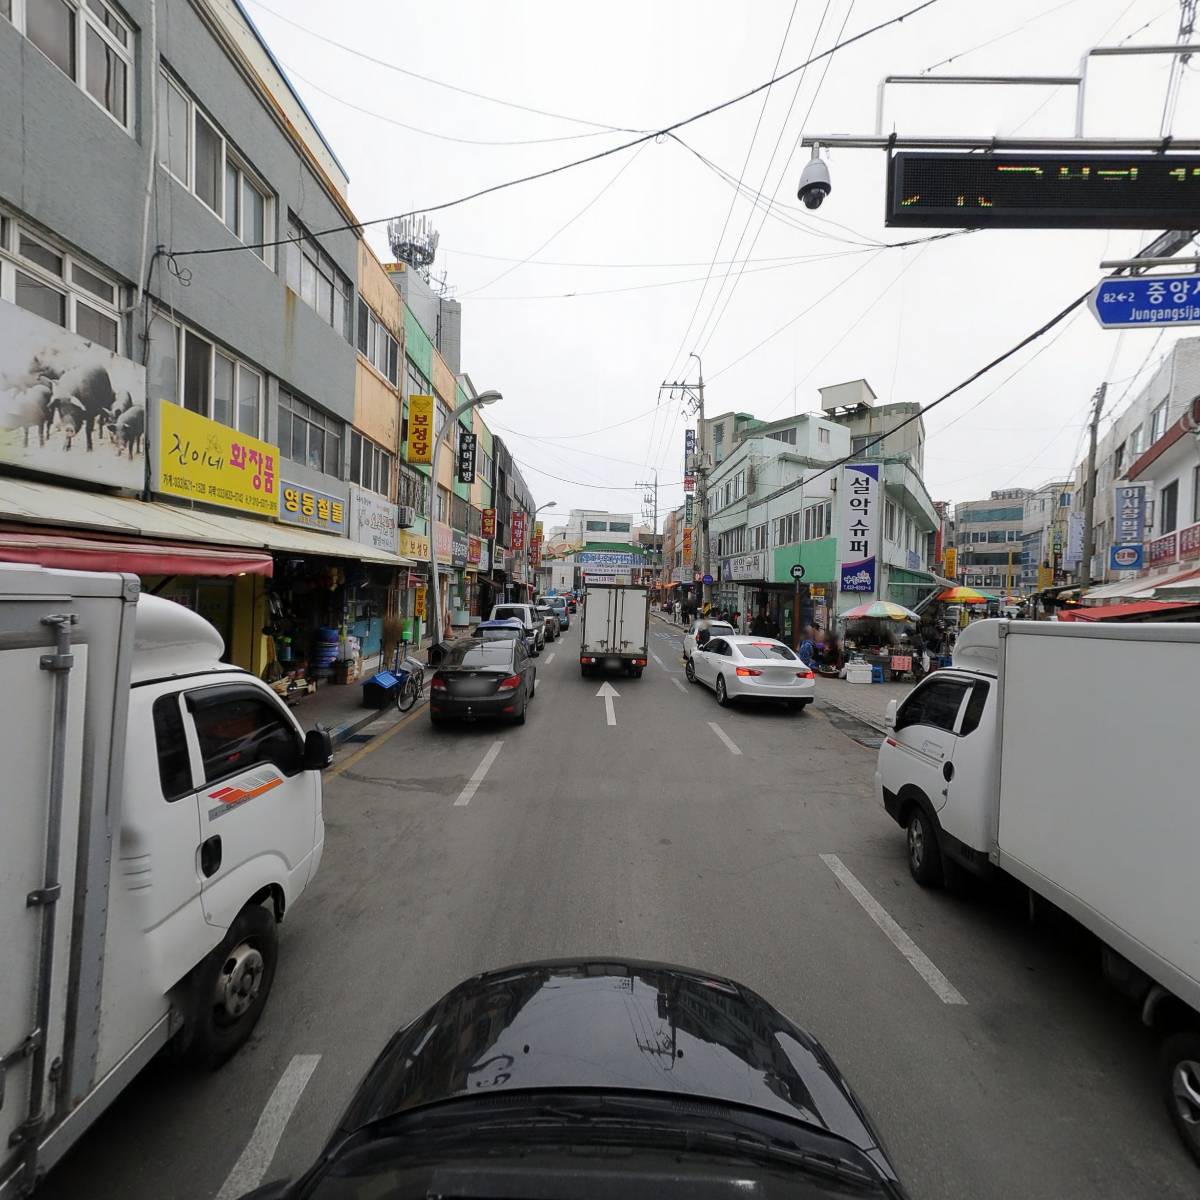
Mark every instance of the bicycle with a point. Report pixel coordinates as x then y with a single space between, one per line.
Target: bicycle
410 672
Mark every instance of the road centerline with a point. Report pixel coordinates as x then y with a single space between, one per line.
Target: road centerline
917 958
730 744
255 1160
464 797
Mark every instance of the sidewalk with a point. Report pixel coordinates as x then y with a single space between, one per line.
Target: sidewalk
867 702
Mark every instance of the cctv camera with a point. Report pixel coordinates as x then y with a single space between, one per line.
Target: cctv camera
814 182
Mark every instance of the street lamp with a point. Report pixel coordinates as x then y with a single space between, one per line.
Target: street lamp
480 401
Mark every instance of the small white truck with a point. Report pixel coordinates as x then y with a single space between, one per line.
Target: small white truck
1062 755
615 630
161 812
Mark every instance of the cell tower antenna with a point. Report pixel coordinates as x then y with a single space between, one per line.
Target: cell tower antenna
414 241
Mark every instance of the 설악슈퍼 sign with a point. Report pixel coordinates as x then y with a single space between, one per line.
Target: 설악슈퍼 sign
204 460
420 429
314 510
859 527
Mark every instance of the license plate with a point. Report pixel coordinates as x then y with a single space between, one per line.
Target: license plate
474 687
610 663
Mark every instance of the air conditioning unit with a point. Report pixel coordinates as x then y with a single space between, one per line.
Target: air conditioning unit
406 516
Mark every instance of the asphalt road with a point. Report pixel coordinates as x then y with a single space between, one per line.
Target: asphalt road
995 1065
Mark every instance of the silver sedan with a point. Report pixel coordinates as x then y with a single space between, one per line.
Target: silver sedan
740 667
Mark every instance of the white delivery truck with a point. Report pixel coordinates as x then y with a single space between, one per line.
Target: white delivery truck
161 811
615 631
1062 754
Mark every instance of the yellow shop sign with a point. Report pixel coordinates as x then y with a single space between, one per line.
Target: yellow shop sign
204 460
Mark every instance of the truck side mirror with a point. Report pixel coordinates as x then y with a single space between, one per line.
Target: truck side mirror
318 749
889 718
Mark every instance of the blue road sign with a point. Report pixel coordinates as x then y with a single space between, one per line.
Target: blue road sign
1146 301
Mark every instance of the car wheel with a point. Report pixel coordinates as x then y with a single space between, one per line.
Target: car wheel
722 694
533 687
436 721
924 853
1180 1063
690 671
519 719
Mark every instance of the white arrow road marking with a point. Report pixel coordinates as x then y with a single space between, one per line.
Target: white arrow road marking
730 745
464 797
919 960
255 1160
608 692
679 685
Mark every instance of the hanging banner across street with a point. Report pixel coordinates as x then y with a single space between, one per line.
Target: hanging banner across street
420 429
466 457
859 527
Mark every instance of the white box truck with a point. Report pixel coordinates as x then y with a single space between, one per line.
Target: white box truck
161 811
1063 755
615 630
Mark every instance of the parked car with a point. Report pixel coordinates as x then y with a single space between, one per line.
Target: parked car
562 610
715 629
535 629
503 631
746 667
482 679
550 620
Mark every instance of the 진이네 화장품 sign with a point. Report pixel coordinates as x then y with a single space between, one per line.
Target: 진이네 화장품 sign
859 527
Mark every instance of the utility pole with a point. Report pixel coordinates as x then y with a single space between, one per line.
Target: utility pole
1084 576
651 498
695 392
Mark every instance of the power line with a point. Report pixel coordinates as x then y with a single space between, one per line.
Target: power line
656 135
999 37
602 487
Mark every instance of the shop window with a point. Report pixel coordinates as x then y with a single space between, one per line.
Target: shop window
308 435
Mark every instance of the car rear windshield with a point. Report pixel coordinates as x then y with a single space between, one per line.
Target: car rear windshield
765 650
491 654
715 627
499 635
502 613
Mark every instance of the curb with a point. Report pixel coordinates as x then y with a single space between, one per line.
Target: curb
347 729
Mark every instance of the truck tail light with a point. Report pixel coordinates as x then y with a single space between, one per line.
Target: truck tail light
510 684
437 684
747 671
805 675
639 662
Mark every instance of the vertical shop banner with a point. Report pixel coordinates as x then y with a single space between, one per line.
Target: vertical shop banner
458 549
951 561
443 543
517 541
538 531
420 429
689 483
688 508
473 549
859 527
485 557
535 553
466 457
200 459
687 544
689 450
1074 552
1127 552
372 520
69 406
489 522
419 602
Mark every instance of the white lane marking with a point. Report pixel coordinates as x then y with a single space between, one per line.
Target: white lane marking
729 742
679 685
549 658
918 959
657 659
464 797
255 1160
608 692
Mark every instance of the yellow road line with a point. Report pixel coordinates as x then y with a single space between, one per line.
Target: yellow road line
374 744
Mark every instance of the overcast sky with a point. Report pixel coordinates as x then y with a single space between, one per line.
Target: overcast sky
583 292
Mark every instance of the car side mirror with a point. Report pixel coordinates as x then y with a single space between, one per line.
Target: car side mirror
318 749
889 718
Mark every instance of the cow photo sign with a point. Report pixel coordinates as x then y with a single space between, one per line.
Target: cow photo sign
68 406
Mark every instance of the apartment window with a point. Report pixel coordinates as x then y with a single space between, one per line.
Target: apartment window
822 436
596 526
217 385
784 435
88 42
376 344
818 520
487 468
443 505
758 537
441 414
370 465
197 154
1135 443
618 527
718 434
322 286
418 385
1158 422
310 436
1168 507
1118 460
739 485
787 529
889 521
859 444
42 278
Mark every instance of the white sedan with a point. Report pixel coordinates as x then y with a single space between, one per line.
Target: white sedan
739 667
715 629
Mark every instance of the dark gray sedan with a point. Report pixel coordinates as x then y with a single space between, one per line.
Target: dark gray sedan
482 679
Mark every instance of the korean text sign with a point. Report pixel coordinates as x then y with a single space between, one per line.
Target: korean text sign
420 429
316 510
466 457
518 531
859 527
1130 521
204 460
489 522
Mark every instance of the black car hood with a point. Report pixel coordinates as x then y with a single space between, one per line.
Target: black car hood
628 1026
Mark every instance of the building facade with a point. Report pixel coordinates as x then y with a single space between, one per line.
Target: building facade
990 539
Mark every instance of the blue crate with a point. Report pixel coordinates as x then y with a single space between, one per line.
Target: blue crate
876 674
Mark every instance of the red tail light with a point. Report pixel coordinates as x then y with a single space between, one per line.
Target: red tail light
747 671
510 684
437 684
805 675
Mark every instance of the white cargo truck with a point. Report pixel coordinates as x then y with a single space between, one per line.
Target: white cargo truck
1062 755
161 811
615 630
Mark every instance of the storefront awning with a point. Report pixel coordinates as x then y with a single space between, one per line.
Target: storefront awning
1147 587
1121 612
84 513
50 548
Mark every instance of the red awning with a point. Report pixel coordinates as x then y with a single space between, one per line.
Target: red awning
139 558
1116 612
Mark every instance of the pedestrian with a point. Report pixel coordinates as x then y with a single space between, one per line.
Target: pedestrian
807 649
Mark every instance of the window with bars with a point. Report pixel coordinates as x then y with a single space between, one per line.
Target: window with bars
196 153
376 344
42 277
309 435
458 513
412 489
321 284
370 465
